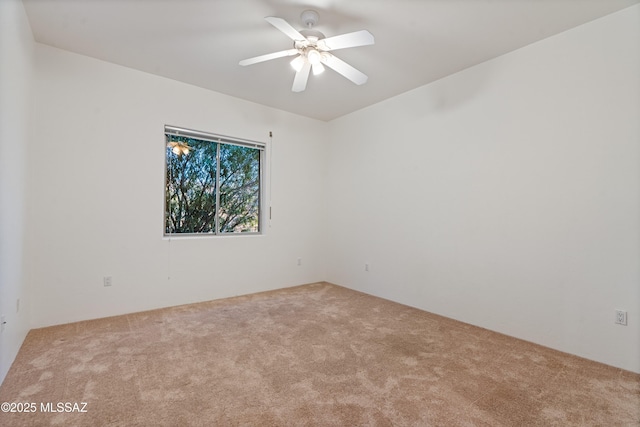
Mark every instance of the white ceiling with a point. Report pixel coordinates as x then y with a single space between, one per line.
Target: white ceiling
201 41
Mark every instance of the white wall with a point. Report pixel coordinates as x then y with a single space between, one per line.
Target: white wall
95 194
16 68
506 195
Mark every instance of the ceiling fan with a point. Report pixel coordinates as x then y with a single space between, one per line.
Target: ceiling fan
179 147
313 49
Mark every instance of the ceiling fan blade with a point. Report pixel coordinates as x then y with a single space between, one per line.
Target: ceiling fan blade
343 68
300 80
268 57
285 27
358 38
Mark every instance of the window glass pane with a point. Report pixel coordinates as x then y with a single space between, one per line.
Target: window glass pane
190 192
239 189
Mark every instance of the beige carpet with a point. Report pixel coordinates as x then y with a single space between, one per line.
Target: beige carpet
312 355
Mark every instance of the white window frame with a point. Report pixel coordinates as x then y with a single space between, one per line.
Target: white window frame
219 139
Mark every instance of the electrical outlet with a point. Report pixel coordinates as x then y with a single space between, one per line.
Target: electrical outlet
621 317
366 267
107 280
299 261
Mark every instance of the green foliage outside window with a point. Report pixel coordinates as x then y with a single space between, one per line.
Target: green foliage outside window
211 187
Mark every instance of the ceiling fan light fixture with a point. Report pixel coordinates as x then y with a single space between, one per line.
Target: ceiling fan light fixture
313 56
179 148
298 63
317 68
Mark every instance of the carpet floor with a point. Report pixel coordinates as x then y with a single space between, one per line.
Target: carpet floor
310 355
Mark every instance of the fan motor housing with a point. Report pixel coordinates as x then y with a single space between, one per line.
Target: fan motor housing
312 33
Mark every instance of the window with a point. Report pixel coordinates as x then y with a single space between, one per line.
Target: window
213 183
